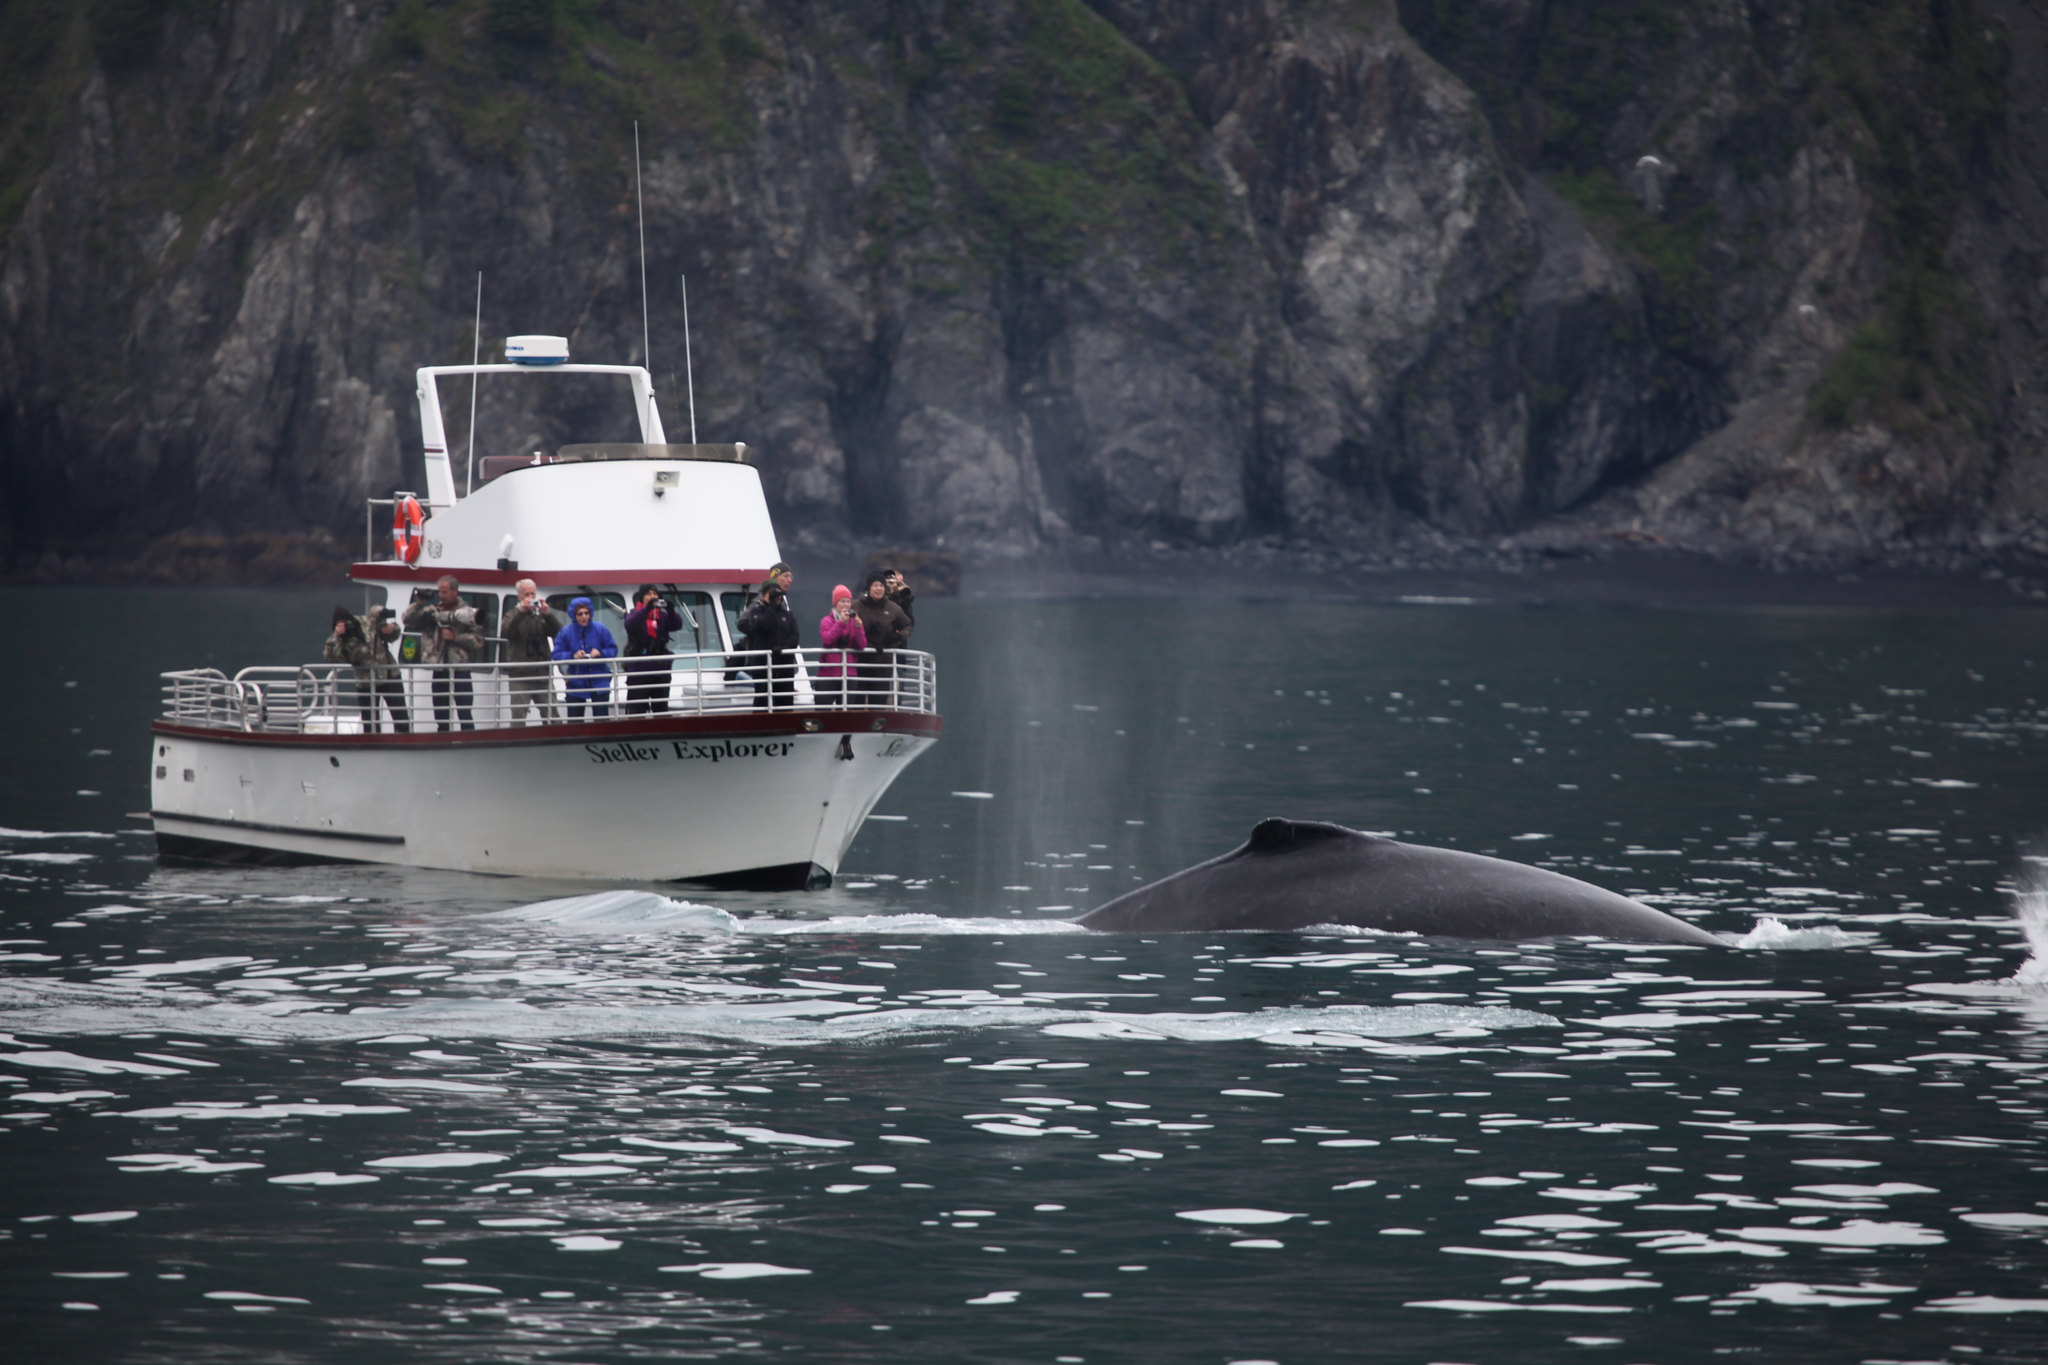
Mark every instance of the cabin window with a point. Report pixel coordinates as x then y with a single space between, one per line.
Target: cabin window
486 606
734 603
699 634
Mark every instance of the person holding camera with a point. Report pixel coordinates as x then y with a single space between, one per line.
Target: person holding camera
899 592
887 628
449 643
588 646
647 665
530 631
364 644
770 625
841 632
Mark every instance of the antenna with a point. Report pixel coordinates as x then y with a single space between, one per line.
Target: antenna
688 375
476 351
646 351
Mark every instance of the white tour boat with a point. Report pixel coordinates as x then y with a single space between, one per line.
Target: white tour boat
724 781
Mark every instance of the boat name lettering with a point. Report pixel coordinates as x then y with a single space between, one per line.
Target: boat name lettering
716 750
622 753
728 749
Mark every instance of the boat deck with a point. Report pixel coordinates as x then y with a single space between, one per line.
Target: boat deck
322 699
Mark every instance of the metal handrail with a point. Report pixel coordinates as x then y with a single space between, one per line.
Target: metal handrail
328 698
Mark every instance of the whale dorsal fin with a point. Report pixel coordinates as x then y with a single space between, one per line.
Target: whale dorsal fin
1278 836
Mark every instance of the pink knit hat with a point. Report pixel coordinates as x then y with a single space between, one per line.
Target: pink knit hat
842 591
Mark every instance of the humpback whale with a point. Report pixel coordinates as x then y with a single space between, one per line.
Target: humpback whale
1294 873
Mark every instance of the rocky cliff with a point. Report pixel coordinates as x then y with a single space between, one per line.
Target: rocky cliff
1442 277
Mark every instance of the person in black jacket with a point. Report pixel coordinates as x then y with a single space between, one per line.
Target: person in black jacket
900 593
647 665
887 628
769 624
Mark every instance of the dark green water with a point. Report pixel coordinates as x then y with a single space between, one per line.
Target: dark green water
363 1114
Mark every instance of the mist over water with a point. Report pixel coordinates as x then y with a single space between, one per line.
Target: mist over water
375 1113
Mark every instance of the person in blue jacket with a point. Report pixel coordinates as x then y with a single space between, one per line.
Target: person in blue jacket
587 644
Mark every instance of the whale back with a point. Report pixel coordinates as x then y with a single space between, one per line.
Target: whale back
1290 874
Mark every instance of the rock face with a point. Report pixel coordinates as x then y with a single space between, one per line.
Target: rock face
1766 280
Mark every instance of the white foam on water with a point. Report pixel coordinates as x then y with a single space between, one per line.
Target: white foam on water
1772 934
96 1066
6 833
230 1109
1984 1303
1565 1258
163 1162
611 911
1242 1217
737 1270
2028 985
2030 907
144 970
1673 1243
45 1007
1856 1232
926 925
650 912
435 1161
425 1083
2013 1222
1793 1294
769 1137
1554 1222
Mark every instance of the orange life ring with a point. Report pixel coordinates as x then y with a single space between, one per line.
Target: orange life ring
406 538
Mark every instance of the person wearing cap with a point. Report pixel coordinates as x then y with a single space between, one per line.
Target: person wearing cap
770 625
382 625
840 631
364 643
588 643
887 628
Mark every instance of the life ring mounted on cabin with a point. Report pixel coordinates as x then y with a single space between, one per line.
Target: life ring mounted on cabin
406 536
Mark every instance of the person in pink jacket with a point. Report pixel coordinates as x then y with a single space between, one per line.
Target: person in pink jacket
839 631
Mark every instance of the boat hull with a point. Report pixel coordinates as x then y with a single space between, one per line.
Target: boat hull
738 801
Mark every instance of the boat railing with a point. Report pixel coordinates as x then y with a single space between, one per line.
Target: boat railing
325 698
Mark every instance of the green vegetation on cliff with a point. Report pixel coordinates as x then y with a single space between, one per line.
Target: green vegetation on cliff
1926 80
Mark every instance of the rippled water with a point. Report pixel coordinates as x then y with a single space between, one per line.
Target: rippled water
349 1113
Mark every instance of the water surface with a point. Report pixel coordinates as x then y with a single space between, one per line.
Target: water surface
359 1113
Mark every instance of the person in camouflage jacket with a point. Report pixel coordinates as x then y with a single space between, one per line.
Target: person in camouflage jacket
364 644
448 637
